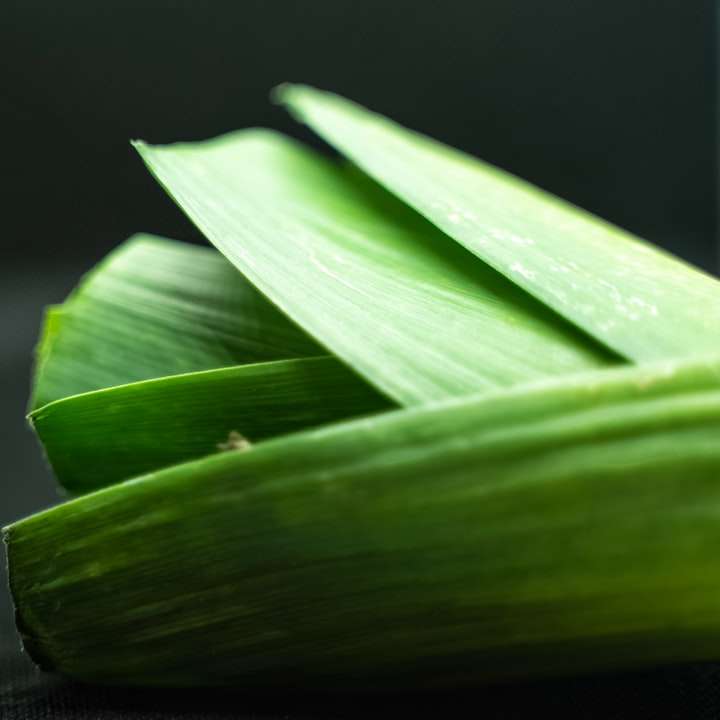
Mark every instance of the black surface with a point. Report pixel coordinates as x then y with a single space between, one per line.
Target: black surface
610 104
686 693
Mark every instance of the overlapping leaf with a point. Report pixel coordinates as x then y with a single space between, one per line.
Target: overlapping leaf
385 291
99 438
157 307
629 295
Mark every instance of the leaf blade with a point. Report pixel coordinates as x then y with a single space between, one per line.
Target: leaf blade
371 284
157 307
632 297
99 438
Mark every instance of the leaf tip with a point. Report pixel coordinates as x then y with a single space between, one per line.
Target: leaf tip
140 145
287 94
279 93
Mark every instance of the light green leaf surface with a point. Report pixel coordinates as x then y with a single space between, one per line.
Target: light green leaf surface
158 307
99 438
629 295
566 526
416 315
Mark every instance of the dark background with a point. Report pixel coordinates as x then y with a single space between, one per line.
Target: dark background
610 104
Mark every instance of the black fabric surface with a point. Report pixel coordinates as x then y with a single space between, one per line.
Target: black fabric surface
682 693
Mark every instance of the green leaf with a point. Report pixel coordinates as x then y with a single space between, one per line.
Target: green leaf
637 300
565 526
157 307
99 438
417 316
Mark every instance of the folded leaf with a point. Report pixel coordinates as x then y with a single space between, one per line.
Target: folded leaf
569 525
99 438
381 288
632 297
158 307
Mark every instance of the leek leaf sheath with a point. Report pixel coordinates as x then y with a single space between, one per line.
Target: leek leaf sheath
566 526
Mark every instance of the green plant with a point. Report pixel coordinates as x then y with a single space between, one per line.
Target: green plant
465 431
